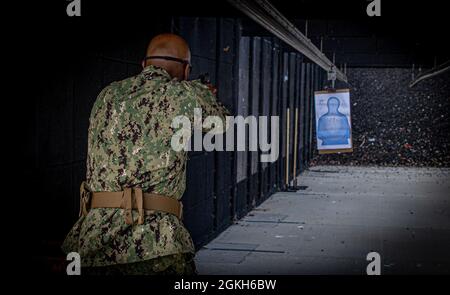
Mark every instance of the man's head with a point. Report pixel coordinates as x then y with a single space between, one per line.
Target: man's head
170 52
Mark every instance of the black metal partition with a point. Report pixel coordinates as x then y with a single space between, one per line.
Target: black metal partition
255 76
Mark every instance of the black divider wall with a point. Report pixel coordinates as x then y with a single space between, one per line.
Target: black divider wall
291 106
275 91
317 87
296 114
227 40
266 77
255 100
308 114
242 157
302 119
283 112
200 202
312 123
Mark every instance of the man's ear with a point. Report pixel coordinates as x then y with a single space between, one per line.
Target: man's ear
143 64
186 72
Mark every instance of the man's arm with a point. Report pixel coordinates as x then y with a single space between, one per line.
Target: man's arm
206 100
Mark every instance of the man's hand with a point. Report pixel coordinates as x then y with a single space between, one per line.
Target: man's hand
204 78
212 88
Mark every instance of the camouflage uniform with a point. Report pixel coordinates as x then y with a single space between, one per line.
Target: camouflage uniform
129 146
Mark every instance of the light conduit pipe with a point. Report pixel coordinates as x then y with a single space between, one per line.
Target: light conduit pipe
431 73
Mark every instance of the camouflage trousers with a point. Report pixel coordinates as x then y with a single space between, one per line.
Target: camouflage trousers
177 264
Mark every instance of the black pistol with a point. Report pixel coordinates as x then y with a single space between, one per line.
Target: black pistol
204 78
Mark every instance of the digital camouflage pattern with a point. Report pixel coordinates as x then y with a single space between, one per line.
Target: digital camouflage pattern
177 264
129 146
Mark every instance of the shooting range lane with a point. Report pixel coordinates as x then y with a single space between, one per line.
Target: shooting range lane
345 213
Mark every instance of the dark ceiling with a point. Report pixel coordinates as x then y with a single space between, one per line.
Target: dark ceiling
419 29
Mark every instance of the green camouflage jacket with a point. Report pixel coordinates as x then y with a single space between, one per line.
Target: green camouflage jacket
129 146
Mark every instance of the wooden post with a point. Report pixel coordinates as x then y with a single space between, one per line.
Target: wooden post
295 146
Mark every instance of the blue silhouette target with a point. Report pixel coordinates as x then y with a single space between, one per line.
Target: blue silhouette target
333 127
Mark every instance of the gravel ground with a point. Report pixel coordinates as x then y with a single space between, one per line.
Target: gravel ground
394 125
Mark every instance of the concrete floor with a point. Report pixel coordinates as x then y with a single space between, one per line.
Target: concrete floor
345 213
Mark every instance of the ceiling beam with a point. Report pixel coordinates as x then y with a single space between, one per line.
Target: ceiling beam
265 14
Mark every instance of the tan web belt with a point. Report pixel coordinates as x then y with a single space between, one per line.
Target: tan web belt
129 199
